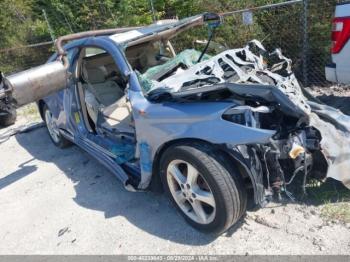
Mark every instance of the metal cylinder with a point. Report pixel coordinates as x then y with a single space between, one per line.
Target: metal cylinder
36 83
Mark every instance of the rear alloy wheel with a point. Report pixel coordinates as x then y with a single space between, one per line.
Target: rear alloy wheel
53 130
208 193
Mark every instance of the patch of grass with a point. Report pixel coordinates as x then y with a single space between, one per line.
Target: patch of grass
336 211
334 198
29 112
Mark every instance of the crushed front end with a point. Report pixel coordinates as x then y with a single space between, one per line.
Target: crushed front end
265 95
292 154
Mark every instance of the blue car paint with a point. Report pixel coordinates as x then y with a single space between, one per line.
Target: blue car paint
160 123
155 123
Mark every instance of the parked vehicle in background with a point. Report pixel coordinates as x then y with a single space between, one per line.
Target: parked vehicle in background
339 70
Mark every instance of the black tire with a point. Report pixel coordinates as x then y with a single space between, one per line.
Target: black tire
224 181
8 117
61 141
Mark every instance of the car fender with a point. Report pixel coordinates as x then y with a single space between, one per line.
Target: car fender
159 123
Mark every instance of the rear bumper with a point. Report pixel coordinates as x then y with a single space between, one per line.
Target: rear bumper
331 74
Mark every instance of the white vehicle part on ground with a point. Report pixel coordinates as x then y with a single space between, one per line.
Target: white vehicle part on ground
333 125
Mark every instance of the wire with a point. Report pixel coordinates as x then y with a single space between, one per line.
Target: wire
294 174
288 194
305 176
267 169
261 7
26 46
207 45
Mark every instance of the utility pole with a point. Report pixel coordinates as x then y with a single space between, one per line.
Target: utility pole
305 42
53 38
153 12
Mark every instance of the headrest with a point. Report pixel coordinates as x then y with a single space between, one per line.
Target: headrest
95 75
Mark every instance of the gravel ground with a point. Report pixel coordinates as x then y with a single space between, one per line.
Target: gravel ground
55 201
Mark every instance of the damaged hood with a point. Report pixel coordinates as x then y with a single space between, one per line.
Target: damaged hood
254 73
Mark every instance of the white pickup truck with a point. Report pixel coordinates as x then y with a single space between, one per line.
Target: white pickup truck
339 70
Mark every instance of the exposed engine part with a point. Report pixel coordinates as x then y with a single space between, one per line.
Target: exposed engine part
275 172
246 115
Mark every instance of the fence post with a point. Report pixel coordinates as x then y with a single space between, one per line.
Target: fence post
48 26
305 42
153 12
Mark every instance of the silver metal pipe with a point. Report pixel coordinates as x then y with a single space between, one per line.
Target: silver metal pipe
36 83
61 40
41 81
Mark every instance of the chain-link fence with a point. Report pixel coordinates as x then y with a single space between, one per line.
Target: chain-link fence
276 26
318 41
301 28
20 58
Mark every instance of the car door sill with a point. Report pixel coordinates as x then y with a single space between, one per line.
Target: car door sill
106 158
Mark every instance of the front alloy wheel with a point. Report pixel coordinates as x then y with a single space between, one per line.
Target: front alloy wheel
206 189
191 192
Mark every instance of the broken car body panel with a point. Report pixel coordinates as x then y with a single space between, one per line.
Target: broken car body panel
158 124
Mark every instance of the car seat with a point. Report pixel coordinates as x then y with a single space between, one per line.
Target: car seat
99 92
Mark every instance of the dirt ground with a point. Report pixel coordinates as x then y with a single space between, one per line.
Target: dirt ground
56 201
336 96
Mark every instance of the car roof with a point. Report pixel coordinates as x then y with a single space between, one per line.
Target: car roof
164 29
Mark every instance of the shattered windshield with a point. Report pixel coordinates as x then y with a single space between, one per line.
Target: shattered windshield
152 78
251 64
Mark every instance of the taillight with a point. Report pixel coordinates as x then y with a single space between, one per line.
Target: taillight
340 33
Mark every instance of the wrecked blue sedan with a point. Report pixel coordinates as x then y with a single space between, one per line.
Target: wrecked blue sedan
213 130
